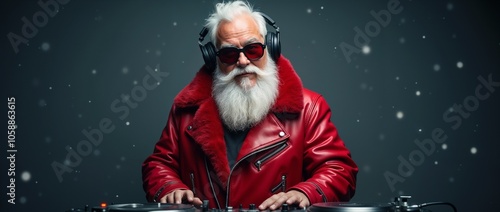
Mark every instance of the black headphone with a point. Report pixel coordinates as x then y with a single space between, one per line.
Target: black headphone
209 52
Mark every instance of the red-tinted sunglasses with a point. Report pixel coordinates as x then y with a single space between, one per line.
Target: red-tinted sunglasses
230 55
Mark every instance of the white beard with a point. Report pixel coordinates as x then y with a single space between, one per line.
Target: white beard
243 106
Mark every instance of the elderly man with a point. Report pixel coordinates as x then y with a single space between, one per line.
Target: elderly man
248 132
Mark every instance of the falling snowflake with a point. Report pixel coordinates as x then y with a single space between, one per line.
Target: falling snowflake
449 6
45 46
23 200
25 176
125 70
400 115
366 50
436 67
473 150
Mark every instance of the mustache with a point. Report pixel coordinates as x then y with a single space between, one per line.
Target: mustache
250 69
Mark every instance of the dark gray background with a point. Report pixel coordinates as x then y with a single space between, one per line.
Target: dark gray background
91 52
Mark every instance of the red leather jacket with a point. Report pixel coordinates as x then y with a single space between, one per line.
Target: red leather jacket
295 147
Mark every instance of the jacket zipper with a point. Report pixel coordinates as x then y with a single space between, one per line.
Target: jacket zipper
318 189
282 185
242 159
262 160
211 183
192 183
157 194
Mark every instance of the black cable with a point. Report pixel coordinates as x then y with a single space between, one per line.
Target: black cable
438 203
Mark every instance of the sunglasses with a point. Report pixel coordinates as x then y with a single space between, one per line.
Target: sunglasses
230 55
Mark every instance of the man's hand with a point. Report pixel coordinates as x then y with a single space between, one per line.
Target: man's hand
181 196
291 197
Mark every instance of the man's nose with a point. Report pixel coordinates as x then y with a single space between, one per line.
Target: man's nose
243 61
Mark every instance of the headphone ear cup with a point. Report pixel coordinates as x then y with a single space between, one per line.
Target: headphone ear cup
209 55
273 45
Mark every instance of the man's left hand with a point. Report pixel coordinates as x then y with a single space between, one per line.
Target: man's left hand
291 197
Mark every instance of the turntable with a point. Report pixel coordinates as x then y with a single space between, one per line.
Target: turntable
166 207
400 204
351 207
146 207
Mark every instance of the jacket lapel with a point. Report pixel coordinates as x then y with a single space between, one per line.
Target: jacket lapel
266 133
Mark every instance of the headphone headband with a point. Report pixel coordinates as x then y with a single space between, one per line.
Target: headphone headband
271 22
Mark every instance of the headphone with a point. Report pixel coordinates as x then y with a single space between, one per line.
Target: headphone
209 52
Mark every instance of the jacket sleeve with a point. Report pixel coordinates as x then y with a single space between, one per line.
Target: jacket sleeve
160 170
331 172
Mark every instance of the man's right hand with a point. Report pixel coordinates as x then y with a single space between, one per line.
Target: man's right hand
181 196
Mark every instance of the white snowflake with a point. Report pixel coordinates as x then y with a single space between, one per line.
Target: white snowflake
45 46
436 67
26 176
473 150
366 49
400 115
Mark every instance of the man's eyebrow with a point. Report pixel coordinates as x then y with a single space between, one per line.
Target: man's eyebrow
225 45
252 40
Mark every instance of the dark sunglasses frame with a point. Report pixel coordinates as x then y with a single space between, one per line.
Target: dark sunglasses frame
230 61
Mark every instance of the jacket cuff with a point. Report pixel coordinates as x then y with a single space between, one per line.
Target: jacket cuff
312 191
167 188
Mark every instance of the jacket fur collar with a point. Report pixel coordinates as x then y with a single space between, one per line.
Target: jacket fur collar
207 126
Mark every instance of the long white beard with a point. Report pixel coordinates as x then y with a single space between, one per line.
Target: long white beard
243 106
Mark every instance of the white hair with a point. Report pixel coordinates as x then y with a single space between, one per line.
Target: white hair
242 105
227 12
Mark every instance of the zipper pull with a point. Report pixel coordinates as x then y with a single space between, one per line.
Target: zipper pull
258 163
283 183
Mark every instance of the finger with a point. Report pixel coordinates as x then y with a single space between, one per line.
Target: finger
274 201
298 198
269 201
178 196
170 197
298 201
293 199
189 195
197 201
277 204
163 199
304 203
